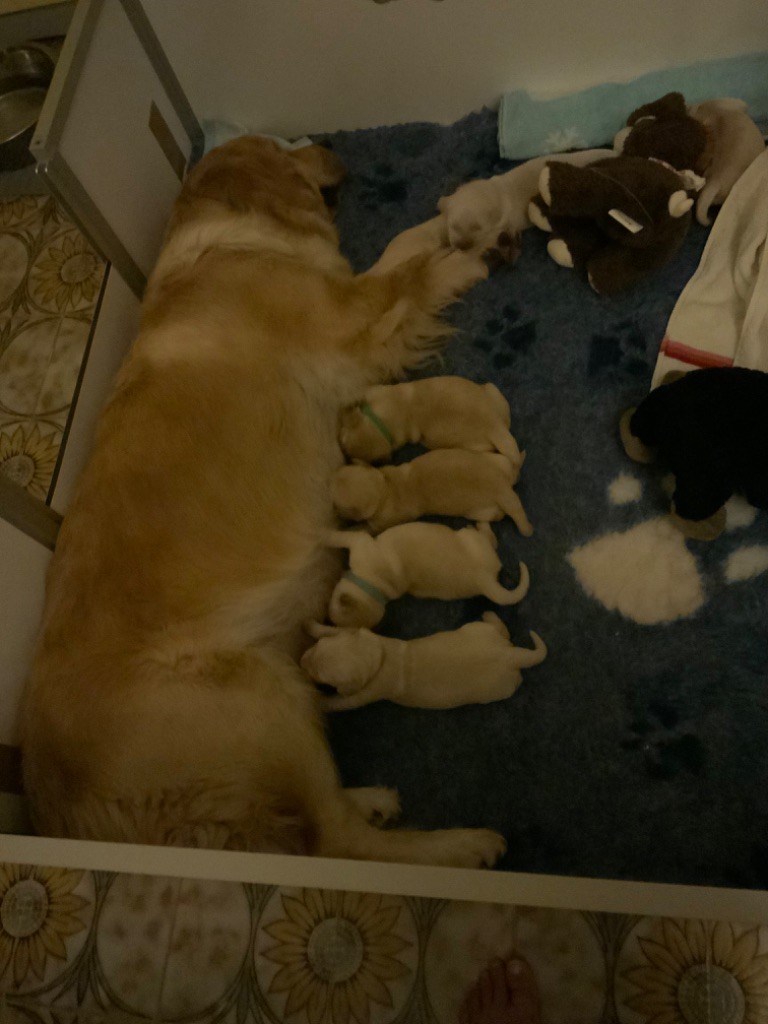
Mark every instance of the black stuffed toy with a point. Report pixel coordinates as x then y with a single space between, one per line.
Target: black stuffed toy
710 428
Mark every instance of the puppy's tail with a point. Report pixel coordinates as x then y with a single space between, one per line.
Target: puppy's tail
503 596
705 199
505 443
524 657
513 507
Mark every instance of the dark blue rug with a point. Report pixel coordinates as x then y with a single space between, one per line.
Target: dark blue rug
635 752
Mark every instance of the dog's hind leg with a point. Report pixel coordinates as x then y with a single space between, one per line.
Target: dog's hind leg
377 804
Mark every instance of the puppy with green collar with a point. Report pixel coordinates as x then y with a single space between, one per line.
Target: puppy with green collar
438 412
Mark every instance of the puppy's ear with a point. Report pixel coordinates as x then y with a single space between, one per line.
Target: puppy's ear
351 607
357 491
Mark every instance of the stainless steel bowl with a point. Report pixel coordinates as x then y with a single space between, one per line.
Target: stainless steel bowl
25 74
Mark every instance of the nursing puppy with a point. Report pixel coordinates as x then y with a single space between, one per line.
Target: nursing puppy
736 143
481 210
165 703
422 559
475 664
447 482
439 412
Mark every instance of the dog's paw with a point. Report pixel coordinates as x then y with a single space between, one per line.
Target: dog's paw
455 272
377 804
507 249
471 848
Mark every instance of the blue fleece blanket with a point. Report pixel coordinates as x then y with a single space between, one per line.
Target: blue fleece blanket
636 750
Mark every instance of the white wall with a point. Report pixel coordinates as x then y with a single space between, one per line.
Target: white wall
291 66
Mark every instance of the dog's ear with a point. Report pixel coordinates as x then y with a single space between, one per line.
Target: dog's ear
325 167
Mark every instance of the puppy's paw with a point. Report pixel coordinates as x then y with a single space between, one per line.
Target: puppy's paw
506 250
377 804
472 848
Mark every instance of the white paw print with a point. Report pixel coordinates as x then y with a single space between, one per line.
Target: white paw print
647 573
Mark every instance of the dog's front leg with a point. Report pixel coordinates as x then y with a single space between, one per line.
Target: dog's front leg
427 238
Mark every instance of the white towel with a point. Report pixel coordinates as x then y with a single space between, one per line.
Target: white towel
721 317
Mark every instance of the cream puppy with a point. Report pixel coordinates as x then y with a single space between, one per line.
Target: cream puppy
422 559
475 664
439 412
483 209
736 142
447 482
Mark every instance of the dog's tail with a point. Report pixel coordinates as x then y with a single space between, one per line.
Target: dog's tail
524 657
505 443
503 596
513 507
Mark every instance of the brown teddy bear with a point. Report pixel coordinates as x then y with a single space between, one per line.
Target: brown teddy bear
664 130
619 219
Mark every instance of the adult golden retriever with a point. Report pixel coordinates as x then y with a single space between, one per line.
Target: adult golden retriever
165 703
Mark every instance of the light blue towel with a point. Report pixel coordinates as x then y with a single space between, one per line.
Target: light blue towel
583 120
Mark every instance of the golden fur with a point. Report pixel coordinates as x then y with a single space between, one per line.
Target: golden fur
475 664
165 704
445 482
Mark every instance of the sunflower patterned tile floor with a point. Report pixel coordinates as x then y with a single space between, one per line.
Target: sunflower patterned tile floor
49 284
78 946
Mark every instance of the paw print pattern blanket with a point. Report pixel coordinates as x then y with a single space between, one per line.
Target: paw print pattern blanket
637 749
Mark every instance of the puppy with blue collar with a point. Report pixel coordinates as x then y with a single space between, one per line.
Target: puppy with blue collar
421 559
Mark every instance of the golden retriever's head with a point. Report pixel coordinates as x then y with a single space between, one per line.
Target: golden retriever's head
346 660
351 606
255 175
362 439
357 491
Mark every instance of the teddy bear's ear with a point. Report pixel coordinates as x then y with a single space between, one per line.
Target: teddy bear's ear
670 106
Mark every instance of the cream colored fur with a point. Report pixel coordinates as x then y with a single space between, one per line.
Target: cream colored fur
446 482
736 143
165 703
439 412
479 211
475 664
422 559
